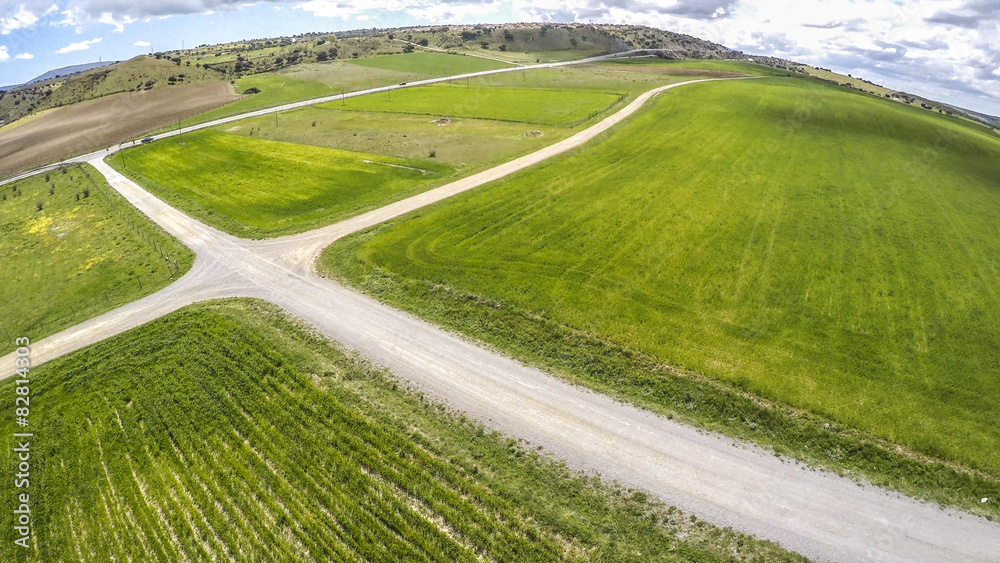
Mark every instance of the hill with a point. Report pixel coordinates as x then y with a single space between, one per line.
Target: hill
138 74
60 73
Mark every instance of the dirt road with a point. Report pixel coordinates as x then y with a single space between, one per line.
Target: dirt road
818 514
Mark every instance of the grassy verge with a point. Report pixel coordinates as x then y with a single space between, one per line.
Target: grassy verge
227 431
255 188
86 252
843 290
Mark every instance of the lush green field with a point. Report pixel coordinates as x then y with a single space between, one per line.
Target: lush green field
275 89
254 187
75 258
226 432
825 250
527 105
431 64
738 67
465 144
314 80
628 79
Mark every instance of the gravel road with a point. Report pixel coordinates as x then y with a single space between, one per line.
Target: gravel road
813 512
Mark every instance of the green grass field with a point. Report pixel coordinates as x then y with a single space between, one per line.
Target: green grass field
314 80
275 89
562 108
224 431
465 144
256 188
76 258
825 250
749 69
430 64
621 79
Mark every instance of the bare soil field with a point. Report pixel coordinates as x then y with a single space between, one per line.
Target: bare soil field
88 126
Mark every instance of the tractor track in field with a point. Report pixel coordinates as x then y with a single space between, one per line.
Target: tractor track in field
816 513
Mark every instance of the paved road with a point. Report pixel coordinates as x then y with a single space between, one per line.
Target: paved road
815 513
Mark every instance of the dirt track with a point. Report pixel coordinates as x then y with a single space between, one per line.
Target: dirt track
815 513
96 124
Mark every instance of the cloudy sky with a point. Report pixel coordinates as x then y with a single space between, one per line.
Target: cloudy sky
948 50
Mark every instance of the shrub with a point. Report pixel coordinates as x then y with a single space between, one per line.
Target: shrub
433 154
38 206
252 90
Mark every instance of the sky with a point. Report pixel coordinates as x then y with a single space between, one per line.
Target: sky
947 50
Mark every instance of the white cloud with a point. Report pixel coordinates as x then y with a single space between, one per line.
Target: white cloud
21 16
141 44
81 46
4 56
24 57
108 18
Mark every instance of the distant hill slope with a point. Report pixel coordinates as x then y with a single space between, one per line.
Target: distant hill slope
61 72
984 117
137 74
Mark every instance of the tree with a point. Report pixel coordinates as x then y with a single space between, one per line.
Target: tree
484 44
321 56
423 42
502 47
407 48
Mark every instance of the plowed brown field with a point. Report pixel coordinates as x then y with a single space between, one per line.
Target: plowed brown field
91 125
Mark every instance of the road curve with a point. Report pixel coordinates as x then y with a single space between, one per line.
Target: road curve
813 512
